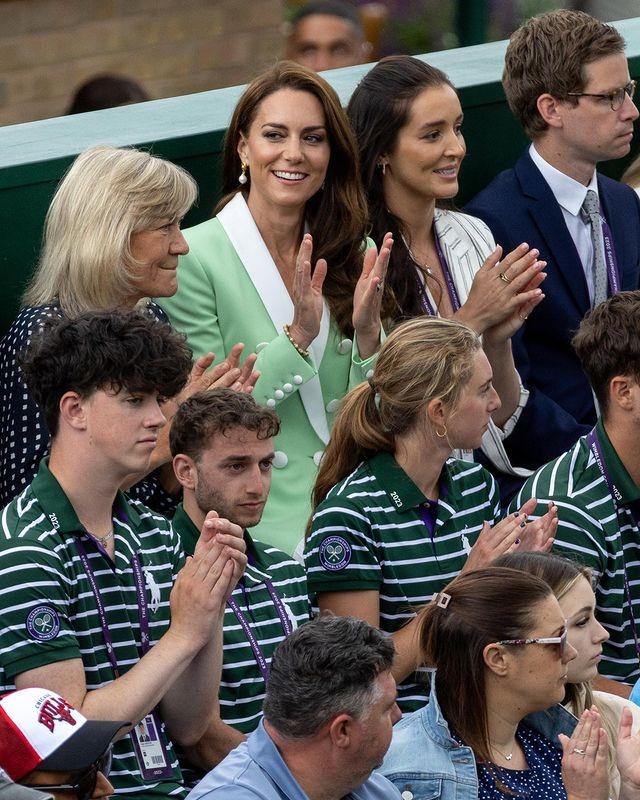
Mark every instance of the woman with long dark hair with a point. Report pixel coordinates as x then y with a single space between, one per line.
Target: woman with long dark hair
292 199
408 122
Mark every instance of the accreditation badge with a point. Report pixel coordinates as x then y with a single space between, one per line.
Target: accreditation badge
151 752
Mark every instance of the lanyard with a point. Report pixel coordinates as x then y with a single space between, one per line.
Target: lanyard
427 306
287 627
616 497
610 256
143 612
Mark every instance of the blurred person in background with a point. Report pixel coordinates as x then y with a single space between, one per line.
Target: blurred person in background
327 34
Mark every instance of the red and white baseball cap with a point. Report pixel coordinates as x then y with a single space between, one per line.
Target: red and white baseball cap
41 730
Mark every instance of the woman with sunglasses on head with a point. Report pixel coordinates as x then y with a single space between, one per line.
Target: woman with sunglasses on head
572 585
45 743
284 266
395 517
408 122
494 727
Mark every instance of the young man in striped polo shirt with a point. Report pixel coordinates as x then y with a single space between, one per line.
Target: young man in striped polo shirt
88 605
222 446
596 484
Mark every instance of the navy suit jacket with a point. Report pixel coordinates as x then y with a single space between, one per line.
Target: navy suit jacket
518 206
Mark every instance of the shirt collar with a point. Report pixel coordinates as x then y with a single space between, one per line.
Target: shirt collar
57 506
569 193
264 752
629 492
402 491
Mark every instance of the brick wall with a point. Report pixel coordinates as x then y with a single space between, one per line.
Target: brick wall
172 47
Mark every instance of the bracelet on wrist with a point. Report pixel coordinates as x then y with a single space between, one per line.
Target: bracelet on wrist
304 353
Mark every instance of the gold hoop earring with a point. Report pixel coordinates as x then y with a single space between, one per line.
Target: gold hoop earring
442 435
243 174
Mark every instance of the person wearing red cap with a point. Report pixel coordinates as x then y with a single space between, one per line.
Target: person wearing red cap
45 743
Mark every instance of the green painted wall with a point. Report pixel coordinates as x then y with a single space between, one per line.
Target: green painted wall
189 131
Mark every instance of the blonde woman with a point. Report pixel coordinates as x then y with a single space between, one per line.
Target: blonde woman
112 239
395 517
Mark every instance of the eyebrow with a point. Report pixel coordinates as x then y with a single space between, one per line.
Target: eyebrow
438 122
280 126
234 458
582 611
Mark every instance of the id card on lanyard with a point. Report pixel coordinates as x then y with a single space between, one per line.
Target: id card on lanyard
596 450
148 741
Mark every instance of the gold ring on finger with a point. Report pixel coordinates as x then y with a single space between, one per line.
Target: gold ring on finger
504 278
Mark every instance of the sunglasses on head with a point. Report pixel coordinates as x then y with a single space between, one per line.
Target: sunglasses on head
85 785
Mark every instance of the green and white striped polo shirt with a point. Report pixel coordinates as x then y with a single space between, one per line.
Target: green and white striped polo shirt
368 533
241 684
595 533
47 606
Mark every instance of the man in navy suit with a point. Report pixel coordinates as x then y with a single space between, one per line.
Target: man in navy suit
567 80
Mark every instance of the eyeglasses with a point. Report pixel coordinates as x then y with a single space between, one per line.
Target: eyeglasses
85 786
561 641
615 98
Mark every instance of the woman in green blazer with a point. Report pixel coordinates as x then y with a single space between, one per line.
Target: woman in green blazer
291 193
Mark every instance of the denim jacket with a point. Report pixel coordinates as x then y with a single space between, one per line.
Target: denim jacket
425 761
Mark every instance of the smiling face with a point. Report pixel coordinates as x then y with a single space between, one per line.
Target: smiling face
467 422
287 151
157 250
591 131
425 159
585 633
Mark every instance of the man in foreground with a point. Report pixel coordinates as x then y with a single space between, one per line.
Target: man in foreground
328 713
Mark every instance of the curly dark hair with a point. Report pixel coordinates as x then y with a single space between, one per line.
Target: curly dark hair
111 349
205 414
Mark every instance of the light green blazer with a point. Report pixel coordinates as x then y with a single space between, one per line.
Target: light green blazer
230 291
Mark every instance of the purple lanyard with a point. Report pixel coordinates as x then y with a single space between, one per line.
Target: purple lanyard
287 627
596 450
427 306
143 612
610 256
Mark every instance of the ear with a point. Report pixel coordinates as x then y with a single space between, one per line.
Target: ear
185 471
436 412
496 659
550 109
620 391
73 411
341 730
242 147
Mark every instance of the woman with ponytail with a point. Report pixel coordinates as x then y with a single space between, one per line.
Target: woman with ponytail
395 517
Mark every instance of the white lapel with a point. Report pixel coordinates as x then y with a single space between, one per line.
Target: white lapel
456 247
245 237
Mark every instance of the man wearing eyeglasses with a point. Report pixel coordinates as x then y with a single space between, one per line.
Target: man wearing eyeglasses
45 743
567 80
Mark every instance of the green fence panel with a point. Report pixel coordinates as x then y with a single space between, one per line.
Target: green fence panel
189 130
